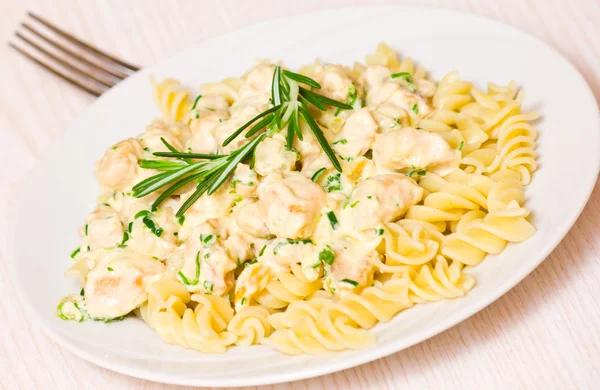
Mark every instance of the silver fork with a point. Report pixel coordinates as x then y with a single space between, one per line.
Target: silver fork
80 64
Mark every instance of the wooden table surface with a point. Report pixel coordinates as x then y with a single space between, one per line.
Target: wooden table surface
545 333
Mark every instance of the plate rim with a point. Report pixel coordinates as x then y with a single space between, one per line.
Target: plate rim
308 371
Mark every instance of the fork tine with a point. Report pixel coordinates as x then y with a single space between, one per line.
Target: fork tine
83 45
64 63
113 74
49 68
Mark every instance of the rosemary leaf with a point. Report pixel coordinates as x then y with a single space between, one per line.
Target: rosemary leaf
324 99
301 79
275 87
171 177
259 126
148 181
172 149
160 165
247 124
174 188
312 99
200 190
320 137
188 155
234 160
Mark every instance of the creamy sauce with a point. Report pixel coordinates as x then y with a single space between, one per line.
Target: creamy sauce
291 208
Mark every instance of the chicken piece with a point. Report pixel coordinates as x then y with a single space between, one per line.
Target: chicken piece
210 104
374 77
245 180
271 156
357 135
353 265
252 221
282 253
174 134
291 204
380 199
411 148
117 284
103 229
207 264
203 139
334 82
257 80
205 208
223 130
119 165
394 100
152 234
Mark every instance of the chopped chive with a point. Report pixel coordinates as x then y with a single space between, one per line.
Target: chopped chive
75 252
415 109
196 102
342 141
208 287
350 281
249 263
462 143
318 173
195 281
110 268
327 256
332 219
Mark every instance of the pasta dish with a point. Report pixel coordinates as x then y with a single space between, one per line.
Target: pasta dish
298 210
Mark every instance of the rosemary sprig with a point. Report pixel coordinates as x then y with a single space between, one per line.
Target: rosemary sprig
290 102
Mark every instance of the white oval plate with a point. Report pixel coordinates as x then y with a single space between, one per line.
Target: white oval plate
61 189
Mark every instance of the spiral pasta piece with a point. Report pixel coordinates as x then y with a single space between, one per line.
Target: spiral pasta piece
516 145
386 56
202 328
493 108
287 287
410 242
317 326
250 325
448 200
432 283
452 93
173 102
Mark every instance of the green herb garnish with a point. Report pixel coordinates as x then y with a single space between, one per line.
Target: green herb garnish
415 109
291 242
290 104
317 174
350 281
460 146
249 263
332 219
333 183
416 172
406 77
207 240
327 256
75 252
208 287
110 269
194 281
342 141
